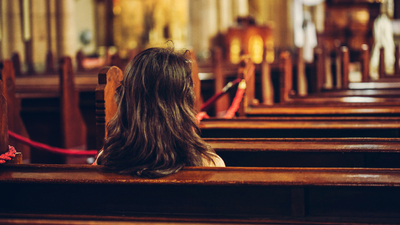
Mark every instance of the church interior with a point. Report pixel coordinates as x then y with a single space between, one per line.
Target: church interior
300 99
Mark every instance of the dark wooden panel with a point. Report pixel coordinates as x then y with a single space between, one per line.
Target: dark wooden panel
263 195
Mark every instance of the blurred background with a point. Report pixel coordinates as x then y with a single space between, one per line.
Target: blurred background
36 28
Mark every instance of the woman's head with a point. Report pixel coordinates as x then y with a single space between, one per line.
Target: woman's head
154 131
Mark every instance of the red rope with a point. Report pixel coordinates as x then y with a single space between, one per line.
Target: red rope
230 113
48 148
207 105
8 155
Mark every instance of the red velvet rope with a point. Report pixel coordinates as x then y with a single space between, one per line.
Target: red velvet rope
8 155
230 113
207 105
48 148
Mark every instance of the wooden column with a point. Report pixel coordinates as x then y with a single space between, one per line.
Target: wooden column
328 68
266 82
318 71
345 60
196 82
381 68
72 123
15 123
338 64
365 63
222 103
396 66
4 122
286 77
302 86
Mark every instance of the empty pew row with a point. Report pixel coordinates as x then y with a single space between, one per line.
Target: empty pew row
372 92
308 152
338 106
344 102
208 195
46 108
355 119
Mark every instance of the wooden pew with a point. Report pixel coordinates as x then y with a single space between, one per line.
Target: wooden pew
4 142
15 123
308 152
4 121
307 126
209 195
54 101
109 79
343 106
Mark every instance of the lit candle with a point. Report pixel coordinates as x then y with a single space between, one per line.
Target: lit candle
26 20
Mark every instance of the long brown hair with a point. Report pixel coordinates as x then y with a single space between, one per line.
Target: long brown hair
154 132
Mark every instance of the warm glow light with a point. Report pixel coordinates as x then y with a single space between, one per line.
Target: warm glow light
359 99
256 48
234 51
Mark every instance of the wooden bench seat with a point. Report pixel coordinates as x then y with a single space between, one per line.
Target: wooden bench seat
269 127
308 152
230 195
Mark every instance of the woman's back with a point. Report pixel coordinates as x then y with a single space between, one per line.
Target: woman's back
154 132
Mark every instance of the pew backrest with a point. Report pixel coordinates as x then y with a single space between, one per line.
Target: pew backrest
109 79
263 195
72 123
3 121
15 123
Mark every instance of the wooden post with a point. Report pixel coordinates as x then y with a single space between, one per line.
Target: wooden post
286 77
345 60
196 81
221 104
381 70
338 64
396 61
328 67
302 86
266 82
72 123
318 74
16 62
15 123
4 122
109 79
365 63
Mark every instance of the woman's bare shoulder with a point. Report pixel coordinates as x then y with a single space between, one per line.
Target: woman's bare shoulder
219 162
